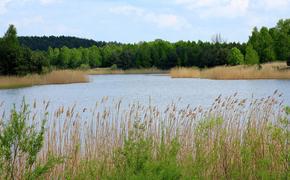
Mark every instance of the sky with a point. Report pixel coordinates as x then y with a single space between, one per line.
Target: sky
132 21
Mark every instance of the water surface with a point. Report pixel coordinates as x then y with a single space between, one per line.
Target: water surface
162 90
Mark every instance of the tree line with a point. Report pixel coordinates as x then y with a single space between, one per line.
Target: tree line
264 45
159 53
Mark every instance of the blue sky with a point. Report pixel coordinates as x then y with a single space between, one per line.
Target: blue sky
142 20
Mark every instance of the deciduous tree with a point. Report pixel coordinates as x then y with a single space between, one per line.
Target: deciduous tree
235 57
252 56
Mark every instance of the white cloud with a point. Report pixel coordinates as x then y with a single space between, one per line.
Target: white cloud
28 21
231 9
162 20
46 2
4 3
217 8
193 4
3 6
43 2
127 10
276 4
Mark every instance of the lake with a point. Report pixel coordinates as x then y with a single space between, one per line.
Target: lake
161 89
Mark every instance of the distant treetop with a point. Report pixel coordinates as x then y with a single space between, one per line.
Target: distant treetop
44 42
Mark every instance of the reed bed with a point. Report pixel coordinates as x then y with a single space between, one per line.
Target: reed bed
265 71
103 71
183 72
233 139
55 77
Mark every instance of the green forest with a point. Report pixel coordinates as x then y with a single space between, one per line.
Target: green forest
25 55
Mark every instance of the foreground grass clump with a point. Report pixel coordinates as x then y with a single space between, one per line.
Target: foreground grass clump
233 139
102 71
55 77
265 71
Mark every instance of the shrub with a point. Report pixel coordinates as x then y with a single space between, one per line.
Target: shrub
84 67
46 70
20 142
114 67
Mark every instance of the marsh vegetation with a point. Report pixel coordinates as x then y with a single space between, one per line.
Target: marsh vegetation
233 138
54 77
276 70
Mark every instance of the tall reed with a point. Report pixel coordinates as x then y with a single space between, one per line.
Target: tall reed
233 139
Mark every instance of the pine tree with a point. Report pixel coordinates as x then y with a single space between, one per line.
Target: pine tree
10 52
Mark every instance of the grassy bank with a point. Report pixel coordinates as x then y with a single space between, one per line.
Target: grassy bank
103 71
233 139
265 71
55 77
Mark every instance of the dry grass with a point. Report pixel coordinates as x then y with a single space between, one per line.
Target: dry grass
103 71
233 139
55 77
183 72
266 71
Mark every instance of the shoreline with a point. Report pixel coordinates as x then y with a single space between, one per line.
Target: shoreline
69 77
109 71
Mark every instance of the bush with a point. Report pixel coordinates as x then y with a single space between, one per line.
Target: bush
20 142
114 67
288 61
46 70
235 57
84 67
